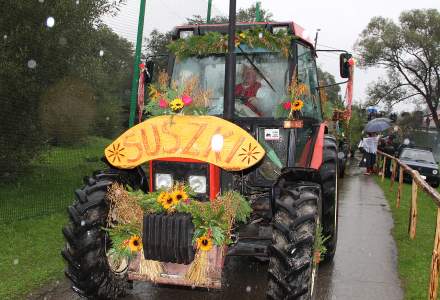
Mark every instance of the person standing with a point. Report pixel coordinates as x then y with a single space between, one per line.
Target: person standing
370 145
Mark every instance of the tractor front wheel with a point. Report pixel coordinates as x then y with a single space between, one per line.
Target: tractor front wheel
92 270
329 183
292 267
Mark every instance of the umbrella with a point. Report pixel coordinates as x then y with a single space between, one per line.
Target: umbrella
377 125
381 120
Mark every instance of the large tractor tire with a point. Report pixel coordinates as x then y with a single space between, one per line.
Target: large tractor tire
329 183
88 265
292 271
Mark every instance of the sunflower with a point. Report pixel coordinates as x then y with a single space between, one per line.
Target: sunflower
169 202
204 243
297 105
177 104
135 243
179 195
162 197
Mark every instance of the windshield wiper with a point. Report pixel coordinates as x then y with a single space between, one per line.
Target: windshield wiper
256 68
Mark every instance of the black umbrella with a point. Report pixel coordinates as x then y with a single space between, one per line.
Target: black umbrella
378 125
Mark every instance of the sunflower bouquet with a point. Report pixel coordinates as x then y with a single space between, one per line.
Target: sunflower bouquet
126 241
291 108
184 99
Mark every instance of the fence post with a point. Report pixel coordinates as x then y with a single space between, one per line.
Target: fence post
393 174
413 213
399 190
383 167
435 263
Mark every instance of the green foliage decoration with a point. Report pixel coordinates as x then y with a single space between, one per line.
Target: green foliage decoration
217 43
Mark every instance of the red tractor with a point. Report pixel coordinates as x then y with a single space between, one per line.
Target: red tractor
267 142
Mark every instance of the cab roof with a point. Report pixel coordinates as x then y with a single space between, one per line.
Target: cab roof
200 29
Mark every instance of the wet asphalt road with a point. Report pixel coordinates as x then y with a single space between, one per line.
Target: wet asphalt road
364 266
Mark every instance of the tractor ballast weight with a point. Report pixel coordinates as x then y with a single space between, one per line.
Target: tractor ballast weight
286 173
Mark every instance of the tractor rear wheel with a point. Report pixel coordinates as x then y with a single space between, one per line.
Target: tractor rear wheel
329 182
93 273
292 271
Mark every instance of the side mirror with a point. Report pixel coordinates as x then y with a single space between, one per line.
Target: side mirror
149 71
344 65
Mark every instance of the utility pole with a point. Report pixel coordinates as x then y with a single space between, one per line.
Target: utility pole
257 12
137 60
230 65
208 17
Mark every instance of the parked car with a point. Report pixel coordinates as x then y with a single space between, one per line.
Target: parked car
423 161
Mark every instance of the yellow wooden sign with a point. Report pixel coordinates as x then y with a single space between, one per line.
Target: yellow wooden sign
205 138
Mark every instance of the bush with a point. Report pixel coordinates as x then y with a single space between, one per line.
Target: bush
68 111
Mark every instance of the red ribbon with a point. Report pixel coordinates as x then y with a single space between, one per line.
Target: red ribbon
141 91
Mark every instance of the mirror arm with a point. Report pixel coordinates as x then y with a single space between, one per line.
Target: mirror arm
329 85
331 50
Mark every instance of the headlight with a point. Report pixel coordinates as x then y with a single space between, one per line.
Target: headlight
163 180
198 184
435 172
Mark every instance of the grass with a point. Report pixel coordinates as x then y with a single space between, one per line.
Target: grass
30 255
414 256
50 185
30 248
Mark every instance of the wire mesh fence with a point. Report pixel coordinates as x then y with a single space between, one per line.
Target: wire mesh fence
66 72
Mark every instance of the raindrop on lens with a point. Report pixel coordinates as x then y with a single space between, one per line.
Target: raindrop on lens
248 289
50 22
101 53
15 261
217 142
62 41
32 64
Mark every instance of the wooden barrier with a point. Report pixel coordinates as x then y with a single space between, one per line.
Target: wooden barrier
417 183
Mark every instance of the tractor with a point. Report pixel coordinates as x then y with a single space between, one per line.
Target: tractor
270 146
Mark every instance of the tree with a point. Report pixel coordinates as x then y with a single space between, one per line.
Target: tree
332 91
33 57
410 52
243 15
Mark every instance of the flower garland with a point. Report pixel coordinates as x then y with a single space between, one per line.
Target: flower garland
213 220
215 42
187 99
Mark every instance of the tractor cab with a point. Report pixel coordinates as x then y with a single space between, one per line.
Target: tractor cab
263 72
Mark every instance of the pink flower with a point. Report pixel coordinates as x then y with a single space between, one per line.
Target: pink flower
163 103
287 105
187 100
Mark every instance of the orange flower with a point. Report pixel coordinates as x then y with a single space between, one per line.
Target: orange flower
297 105
204 243
135 244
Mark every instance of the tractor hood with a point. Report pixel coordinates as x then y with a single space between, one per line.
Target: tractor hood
204 138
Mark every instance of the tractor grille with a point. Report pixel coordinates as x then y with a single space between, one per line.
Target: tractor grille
168 238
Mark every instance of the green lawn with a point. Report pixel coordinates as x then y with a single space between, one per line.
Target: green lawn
53 178
414 256
30 247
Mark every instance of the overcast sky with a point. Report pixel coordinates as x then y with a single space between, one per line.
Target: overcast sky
340 22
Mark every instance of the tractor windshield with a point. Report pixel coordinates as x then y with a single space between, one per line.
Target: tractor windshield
262 78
